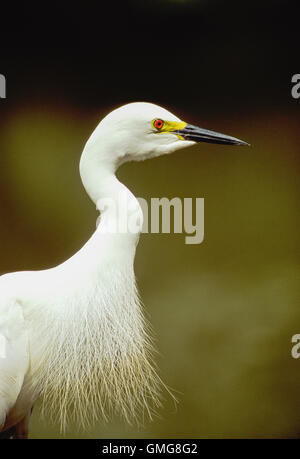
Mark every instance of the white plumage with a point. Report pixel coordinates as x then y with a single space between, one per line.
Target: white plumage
75 334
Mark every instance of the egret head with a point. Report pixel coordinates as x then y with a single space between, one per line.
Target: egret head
141 130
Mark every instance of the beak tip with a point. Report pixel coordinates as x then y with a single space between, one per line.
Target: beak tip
244 144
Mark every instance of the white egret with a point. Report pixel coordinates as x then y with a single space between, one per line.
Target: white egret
75 334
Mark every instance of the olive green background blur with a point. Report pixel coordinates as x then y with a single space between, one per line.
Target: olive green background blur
223 311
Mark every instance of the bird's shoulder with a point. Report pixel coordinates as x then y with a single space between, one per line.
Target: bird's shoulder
14 350
11 312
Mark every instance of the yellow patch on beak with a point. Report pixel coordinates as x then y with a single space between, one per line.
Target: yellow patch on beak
169 126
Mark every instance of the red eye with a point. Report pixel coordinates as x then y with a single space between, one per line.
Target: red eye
158 124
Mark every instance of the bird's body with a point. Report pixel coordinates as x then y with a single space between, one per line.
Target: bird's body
75 334
86 317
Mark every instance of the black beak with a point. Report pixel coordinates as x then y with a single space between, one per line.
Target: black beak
197 134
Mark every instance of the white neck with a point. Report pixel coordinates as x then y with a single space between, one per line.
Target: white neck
97 169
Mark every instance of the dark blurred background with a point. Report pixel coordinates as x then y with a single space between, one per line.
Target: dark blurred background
224 311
